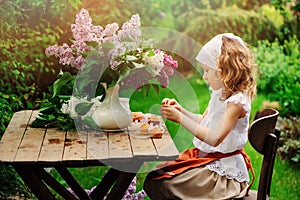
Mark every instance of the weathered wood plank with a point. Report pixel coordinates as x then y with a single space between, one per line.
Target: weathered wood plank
30 146
53 146
32 118
97 146
142 147
165 147
75 146
13 135
119 145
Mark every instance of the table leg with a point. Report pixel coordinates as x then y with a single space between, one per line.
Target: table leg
121 185
35 184
71 181
123 182
55 185
106 183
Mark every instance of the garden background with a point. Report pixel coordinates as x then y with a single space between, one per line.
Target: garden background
271 27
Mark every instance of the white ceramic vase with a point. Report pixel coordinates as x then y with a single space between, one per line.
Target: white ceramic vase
114 112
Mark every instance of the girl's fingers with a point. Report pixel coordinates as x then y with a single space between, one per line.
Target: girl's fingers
165 101
171 102
170 113
164 111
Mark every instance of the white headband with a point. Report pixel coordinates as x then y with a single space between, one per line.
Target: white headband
210 52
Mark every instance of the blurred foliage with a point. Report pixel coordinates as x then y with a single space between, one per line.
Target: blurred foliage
11 184
279 80
290 11
289 143
251 26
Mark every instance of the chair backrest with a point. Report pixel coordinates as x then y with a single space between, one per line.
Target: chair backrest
264 136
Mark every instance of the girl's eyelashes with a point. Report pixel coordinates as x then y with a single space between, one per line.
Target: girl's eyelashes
205 69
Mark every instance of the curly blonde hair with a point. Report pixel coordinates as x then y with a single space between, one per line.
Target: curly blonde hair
237 65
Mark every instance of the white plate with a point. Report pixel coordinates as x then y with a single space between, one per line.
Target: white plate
115 130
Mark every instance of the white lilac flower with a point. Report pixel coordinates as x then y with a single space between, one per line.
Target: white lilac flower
65 108
155 61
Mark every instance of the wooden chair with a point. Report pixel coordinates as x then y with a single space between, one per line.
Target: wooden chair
264 136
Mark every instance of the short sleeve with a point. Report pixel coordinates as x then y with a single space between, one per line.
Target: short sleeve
241 98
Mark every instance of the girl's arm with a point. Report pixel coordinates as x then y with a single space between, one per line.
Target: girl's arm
211 136
195 117
173 103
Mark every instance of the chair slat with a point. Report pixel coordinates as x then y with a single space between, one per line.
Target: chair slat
263 137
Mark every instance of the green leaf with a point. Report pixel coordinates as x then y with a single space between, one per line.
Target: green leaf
92 44
54 100
147 88
74 3
152 71
42 117
91 123
60 82
47 110
138 65
151 53
131 58
156 88
83 108
108 45
85 54
124 75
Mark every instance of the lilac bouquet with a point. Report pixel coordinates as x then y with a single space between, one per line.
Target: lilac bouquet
123 52
107 56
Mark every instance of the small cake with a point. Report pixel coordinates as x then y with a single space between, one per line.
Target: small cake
156 132
155 120
144 129
137 116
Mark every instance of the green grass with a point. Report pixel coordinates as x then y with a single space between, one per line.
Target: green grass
193 94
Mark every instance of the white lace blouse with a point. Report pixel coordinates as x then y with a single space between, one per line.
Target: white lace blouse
233 166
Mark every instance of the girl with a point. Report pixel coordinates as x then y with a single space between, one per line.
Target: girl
217 167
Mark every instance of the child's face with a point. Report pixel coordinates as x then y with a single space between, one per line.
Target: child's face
212 77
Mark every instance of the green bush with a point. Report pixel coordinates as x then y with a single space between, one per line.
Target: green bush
289 143
203 24
25 64
279 67
279 79
10 182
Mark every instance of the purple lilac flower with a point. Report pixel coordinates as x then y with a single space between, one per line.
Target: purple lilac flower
83 25
110 30
163 78
168 61
131 28
78 63
129 194
140 195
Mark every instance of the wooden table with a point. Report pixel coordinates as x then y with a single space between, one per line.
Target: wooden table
31 150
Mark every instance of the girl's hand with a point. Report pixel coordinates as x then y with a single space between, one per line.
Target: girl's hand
171 113
172 103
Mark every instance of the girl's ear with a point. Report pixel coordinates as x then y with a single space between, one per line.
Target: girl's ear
218 73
